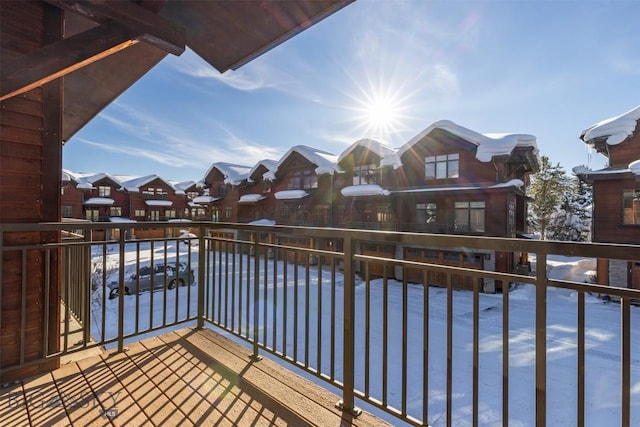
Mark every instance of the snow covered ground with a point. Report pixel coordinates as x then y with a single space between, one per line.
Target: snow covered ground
602 341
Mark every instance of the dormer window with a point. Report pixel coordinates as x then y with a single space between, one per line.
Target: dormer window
442 166
302 180
104 191
365 174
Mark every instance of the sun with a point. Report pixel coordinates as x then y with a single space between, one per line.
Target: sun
379 111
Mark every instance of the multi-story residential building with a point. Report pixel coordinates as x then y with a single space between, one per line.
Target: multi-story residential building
363 201
253 203
224 180
616 193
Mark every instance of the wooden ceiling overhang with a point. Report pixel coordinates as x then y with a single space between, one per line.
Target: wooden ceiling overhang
108 45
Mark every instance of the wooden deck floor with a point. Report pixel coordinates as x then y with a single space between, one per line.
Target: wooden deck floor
182 378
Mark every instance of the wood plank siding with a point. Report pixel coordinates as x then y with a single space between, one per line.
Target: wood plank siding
30 126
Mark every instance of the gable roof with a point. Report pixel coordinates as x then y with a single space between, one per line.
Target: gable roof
374 146
133 185
233 174
612 131
489 145
268 164
326 163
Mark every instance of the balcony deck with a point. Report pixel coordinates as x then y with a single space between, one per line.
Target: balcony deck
186 377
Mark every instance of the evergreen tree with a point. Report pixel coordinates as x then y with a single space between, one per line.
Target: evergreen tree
546 190
572 222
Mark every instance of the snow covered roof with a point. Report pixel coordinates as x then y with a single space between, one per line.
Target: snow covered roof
158 202
233 174
121 219
374 146
251 198
205 199
290 194
268 164
489 145
181 187
512 183
615 129
364 190
133 185
263 222
84 186
102 201
326 162
634 167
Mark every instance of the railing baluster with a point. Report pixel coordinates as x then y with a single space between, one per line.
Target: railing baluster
505 353
405 341
541 339
367 327
256 300
425 347
449 349
385 335
348 363
202 251
476 347
120 295
581 359
625 380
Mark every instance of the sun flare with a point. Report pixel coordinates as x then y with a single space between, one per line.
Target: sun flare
379 112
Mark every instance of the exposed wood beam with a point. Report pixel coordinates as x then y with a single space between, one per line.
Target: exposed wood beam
153 29
57 59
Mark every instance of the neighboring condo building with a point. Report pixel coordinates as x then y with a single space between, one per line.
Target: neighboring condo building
616 193
447 179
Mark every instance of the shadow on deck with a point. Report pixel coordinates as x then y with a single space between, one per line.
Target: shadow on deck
186 377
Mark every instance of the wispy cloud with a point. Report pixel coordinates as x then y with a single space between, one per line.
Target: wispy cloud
164 158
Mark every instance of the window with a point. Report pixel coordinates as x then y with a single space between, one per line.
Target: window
92 214
321 215
115 211
442 166
139 212
426 213
365 174
222 189
469 216
215 214
631 207
67 211
302 180
170 213
104 191
154 215
284 213
228 212
192 194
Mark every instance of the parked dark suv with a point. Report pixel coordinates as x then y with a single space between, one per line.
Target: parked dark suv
170 274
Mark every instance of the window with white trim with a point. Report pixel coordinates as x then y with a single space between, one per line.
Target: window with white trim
104 191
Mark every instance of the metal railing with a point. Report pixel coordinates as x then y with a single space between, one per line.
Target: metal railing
385 341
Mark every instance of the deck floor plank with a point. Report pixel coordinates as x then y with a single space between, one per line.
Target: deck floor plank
187 377
77 398
109 392
220 387
42 399
13 406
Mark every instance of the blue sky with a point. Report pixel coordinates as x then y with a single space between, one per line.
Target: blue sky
384 70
